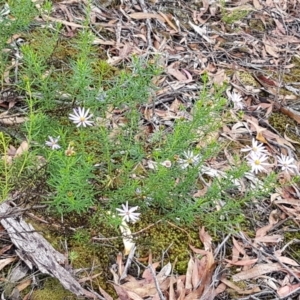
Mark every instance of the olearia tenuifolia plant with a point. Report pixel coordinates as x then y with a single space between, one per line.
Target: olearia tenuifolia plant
90 155
71 172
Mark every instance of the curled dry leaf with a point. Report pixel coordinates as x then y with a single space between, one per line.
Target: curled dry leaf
287 290
287 261
257 271
205 239
6 261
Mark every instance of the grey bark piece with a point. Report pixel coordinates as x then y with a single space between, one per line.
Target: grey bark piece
36 251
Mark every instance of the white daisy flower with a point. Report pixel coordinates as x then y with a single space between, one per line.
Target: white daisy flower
237 100
53 142
287 164
256 148
257 162
81 117
189 160
128 214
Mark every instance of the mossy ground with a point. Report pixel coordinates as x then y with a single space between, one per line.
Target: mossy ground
53 290
286 126
166 241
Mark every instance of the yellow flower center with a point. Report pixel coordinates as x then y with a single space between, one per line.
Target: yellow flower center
82 119
257 162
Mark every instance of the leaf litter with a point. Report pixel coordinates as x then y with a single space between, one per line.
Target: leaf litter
252 63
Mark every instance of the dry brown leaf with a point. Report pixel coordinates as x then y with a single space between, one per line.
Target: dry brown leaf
165 114
175 105
180 287
71 24
287 290
235 254
201 193
23 285
219 77
273 219
143 15
172 295
146 289
238 290
290 140
177 74
147 274
105 294
279 26
168 21
257 5
289 201
206 273
282 141
198 251
215 292
133 284
257 271
11 120
189 274
89 278
271 50
272 239
238 246
6 261
134 296
5 248
188 75
22 148
198 267
165 271
261 138
206 239
98 41
287 261
122 293
291 113
202 32
242 262
12 152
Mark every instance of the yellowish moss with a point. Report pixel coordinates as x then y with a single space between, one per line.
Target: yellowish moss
52 290
167 239
286 126
293 249
292 75
256 24
233 16
247 79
